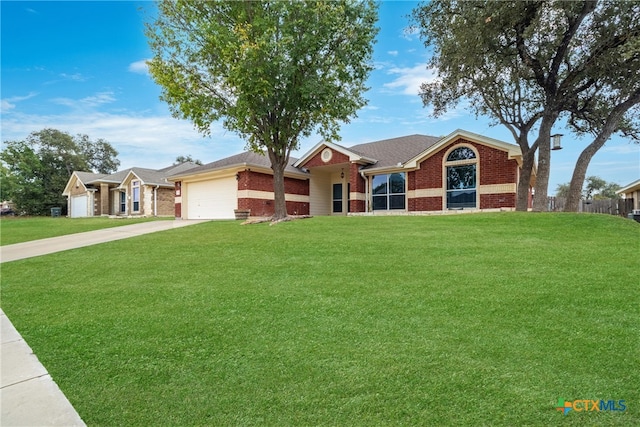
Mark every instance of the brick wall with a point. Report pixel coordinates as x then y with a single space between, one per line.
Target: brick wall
250 180
430 173
357 205
257 181
166 201
494 166
493 201
356 181
336 159
263 207
425 204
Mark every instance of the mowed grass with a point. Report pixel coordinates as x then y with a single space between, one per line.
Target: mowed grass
20 229
483 319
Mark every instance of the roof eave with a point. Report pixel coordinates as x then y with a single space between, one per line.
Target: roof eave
353 157
635 185
235 168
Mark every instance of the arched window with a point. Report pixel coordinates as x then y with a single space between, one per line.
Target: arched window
461 169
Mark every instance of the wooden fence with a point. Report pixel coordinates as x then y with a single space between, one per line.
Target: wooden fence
620 207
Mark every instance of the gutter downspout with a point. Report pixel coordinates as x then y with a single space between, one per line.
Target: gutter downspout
366 191
155 200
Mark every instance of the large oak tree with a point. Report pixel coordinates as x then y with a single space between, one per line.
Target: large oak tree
273 71
525 64
35 171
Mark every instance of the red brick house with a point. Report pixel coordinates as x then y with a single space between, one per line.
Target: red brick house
410 174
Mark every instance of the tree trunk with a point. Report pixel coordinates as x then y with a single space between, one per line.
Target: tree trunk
580 171
522 200
540 201
577 180
278 163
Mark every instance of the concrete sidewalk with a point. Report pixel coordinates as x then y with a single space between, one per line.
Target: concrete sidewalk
28 394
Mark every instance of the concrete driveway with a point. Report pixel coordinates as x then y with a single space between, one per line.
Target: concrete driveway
28 394
71 241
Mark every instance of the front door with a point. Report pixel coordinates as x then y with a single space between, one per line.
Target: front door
337 198
123 202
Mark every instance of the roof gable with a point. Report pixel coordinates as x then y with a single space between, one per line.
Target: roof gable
353 156
513 150
147 176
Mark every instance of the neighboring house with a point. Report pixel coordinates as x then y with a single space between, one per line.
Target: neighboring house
632 191
410 174
131 192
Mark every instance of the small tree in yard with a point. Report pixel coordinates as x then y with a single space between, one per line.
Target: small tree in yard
274 71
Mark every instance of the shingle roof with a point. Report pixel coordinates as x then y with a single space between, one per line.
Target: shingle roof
174 169
390 152
247 158
87 177
148 176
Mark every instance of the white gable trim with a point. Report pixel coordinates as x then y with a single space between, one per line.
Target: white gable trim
67 188
125 180
353 157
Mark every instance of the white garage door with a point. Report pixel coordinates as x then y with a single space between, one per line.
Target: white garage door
215 199
79 206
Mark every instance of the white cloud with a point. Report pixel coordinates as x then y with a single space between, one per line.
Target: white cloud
142 141
393 52
93 101
410 78
76 77
7 104
139 67
628 148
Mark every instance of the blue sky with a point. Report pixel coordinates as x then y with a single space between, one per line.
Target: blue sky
79 67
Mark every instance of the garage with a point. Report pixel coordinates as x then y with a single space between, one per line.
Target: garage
79 206
214 199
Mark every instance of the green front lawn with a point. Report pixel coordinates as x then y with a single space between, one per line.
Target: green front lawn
18 229
483 319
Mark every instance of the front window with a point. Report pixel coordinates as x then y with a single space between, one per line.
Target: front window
136 195
461 179
389 191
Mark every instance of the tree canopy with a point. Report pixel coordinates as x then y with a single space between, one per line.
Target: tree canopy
187 158
272 71
595 188
36 170
525 64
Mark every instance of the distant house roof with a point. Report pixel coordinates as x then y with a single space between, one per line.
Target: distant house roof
635 185
148 176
